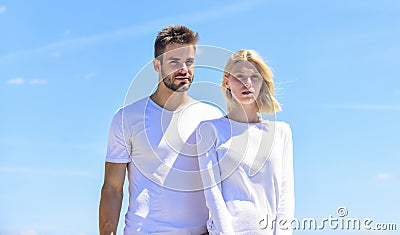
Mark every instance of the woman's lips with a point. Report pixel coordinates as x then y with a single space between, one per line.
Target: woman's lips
247 92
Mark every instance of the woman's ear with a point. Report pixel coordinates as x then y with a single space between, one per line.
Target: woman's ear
226 81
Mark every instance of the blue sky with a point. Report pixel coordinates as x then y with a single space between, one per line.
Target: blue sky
66 66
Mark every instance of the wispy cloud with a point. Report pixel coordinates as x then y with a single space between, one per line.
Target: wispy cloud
139 29
2 9
95 148
55 54
29 232
89 76
37 82
372 107
21 81
396 92
44 171
67 32
16 81
384 176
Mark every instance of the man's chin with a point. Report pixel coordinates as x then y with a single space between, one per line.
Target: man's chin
183 88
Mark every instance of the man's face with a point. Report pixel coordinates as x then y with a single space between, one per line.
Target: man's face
177 66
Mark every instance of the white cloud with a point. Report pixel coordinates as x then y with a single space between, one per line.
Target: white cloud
376 107
89 76
37 82
21 81
55 55
44 171
2 9
16 81
141 28
29 232
384 176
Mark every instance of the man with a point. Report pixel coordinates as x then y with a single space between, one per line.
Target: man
153 140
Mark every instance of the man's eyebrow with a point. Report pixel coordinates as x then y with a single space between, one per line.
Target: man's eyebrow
174 58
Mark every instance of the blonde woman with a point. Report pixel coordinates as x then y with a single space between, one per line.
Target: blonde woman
246 163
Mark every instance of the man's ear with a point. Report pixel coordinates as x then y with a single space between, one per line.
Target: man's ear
157 65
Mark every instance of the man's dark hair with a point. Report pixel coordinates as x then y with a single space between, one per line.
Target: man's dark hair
174 34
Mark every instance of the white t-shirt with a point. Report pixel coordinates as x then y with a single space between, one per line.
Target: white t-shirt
165 194
247 170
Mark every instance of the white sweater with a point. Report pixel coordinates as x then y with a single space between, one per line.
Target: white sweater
247 172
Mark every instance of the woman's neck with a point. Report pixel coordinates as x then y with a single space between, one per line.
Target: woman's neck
244 113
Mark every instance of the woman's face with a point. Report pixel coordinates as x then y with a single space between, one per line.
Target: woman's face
245 82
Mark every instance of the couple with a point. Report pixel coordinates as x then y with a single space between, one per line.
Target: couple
190 169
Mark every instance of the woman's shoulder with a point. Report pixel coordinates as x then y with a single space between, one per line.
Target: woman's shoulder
214 122
279 126
213 125
283 125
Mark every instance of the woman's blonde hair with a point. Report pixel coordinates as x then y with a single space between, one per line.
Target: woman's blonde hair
266 102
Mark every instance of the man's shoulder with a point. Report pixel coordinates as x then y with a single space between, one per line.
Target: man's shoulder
208 111
214 123
138 104
132 109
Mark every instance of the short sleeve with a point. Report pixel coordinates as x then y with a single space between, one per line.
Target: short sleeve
118 147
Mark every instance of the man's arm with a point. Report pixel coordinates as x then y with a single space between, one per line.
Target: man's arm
111 197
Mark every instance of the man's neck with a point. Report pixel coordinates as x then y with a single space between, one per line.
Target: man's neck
169 99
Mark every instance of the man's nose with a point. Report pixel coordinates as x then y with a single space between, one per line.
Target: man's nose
183 68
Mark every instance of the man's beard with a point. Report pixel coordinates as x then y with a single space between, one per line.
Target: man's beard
169 81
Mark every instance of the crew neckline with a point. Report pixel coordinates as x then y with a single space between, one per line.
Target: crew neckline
262 122
153 103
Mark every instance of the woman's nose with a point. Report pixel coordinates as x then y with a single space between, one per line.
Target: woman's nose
246 82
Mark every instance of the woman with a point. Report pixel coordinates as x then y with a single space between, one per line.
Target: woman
246 163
